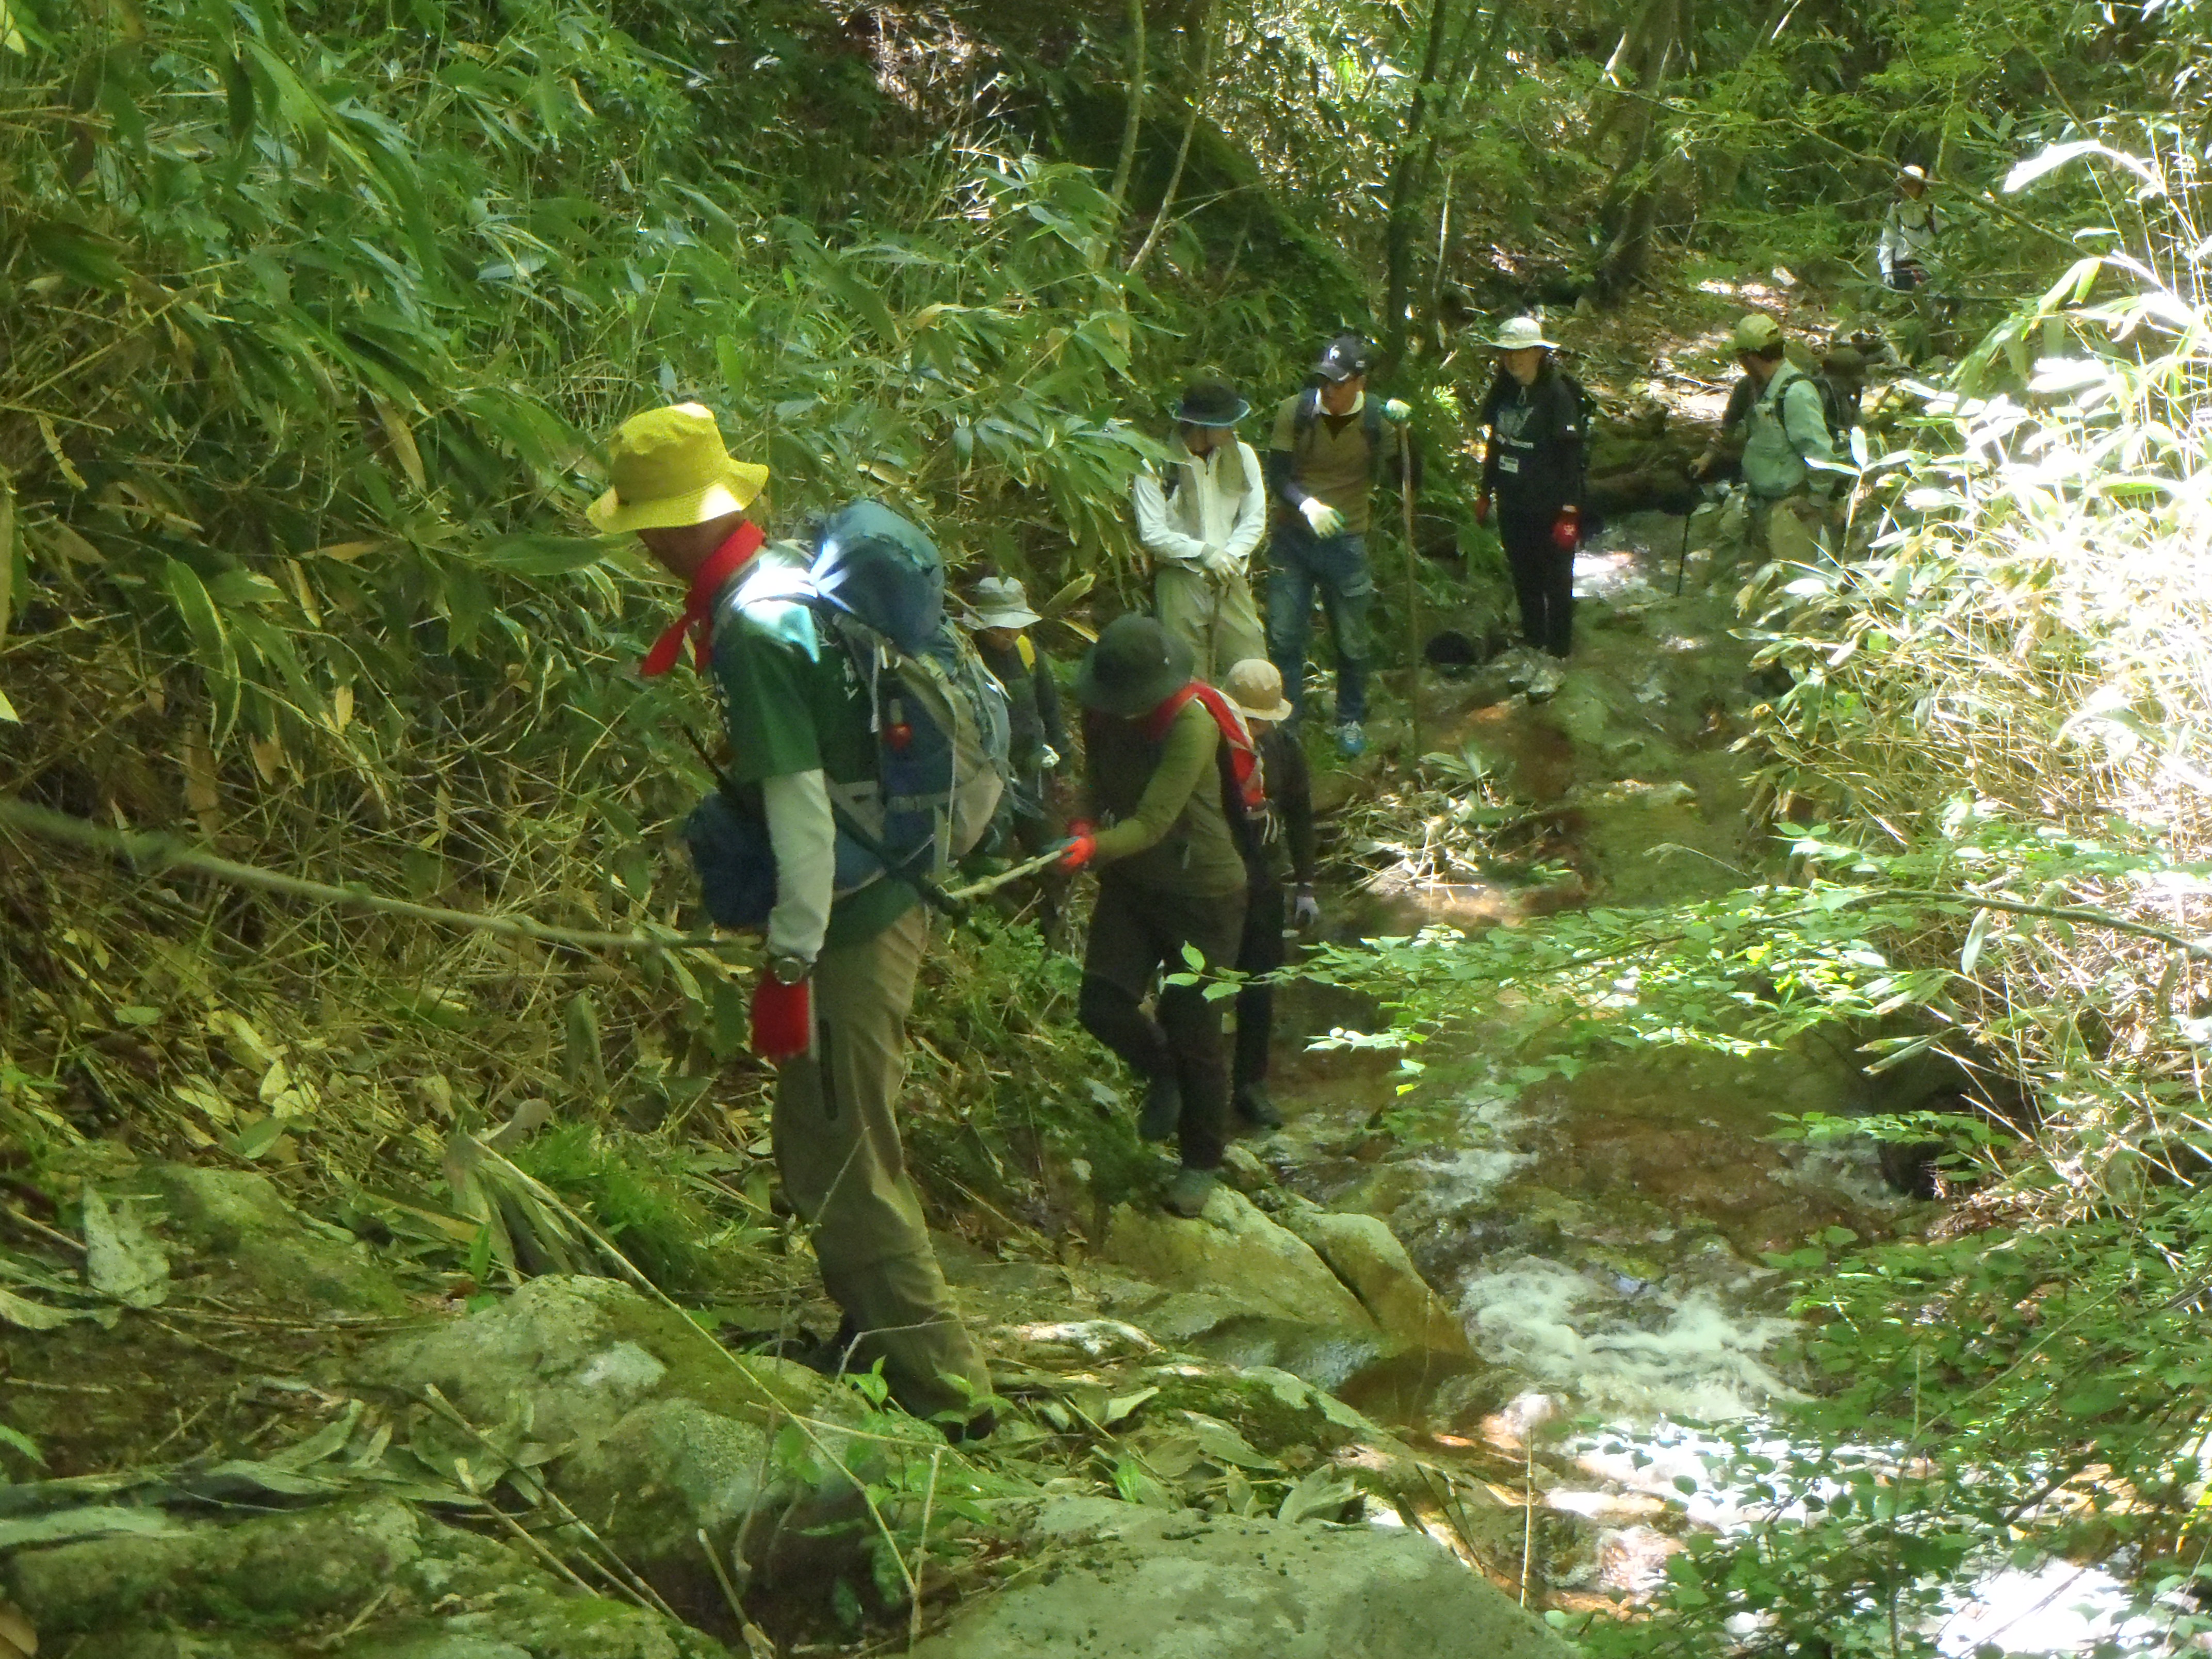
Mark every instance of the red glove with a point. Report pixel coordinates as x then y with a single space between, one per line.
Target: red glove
1567 529
1082 841
1482 510
783 1017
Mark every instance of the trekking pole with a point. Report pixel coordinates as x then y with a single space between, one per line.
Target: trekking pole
1412 591
1042 862
1682 564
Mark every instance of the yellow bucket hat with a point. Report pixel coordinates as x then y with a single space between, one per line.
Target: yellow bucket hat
669 469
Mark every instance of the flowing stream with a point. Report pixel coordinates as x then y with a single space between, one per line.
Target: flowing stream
1604 1237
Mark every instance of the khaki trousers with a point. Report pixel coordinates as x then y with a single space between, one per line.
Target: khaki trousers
1792 530
836 1137
1215 616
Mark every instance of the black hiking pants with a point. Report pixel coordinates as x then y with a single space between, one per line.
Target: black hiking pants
1261 952
1137 933
1543 577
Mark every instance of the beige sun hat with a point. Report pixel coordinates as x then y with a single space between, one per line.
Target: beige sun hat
1255 686
1522 334
1000 602
1756 332
669 469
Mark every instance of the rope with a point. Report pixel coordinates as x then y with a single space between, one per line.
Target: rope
154 852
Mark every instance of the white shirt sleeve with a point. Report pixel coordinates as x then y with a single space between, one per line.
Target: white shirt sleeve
1167 544
1251 512
805 836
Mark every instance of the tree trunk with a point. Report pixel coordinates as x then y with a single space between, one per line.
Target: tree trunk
1135 117
1199 84
1404 176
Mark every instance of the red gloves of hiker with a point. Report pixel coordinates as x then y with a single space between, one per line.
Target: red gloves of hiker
1482 510
1567 529
783 1017
1082 841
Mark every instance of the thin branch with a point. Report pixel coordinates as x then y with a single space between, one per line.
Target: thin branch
160 851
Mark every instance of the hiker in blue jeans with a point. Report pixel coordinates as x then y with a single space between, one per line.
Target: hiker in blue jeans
1328 443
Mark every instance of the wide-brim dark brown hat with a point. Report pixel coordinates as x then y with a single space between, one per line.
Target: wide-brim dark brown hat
1134 667
1211 402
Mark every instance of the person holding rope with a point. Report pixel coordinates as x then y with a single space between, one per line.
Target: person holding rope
1173 778
1531 475
829 1011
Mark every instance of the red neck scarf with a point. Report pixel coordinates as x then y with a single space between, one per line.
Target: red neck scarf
696 623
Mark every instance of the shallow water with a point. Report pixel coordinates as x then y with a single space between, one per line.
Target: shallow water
1604 1236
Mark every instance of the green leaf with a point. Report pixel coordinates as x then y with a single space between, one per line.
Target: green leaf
1971 952
211 643
541 555
31 1315
119 1260
238 90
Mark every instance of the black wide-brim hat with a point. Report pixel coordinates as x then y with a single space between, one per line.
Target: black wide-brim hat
1211 402
1135 666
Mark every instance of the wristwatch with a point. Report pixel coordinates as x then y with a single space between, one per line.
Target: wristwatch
788 969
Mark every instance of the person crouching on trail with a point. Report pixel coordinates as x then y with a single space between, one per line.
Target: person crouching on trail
1279 845
1532 473
1328 444
1172 776
1038 740
1201 520
1789 453
830 1008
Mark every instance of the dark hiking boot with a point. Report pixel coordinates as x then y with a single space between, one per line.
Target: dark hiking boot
1189 1191
1255 1109
1163 1109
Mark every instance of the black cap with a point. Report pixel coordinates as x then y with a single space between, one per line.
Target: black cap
1345 356
1211 402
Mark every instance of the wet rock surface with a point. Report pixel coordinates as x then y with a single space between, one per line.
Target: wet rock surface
1116 1579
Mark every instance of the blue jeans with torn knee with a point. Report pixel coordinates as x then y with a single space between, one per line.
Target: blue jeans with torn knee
1337 566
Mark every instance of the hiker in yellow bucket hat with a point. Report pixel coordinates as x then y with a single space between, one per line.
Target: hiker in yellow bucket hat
829 1006
675 486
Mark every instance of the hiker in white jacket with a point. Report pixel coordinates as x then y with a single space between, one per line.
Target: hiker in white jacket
1201 524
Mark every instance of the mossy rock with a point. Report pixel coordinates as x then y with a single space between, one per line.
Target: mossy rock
1233 1251
540 1626
661 1434
240 1219
274 1574
1273 1410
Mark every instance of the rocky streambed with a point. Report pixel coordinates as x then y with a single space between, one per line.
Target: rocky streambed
1389 1396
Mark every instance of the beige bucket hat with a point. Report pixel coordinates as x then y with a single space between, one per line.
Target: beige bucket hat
1255 686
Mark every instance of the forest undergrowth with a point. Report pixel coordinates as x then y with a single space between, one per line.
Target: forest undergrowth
310 318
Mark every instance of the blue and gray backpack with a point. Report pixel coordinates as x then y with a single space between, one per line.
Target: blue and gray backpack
876 584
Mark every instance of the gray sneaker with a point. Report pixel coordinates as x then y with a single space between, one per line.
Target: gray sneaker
1189 1191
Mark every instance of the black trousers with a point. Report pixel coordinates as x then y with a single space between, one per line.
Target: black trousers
1543 577
1261 952
1135 933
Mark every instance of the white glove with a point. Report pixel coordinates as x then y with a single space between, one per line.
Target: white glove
1305 910
1398 410
1326 521
1218 561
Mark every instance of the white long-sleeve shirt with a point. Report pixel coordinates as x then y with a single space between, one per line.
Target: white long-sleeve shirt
804 832
1220 501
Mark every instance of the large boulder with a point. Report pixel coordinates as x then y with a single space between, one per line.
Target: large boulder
652 1431
1366 1256
1130 1582
436 1593
241 1220
1233 1251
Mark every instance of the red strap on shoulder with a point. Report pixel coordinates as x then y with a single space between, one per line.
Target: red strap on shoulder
1243 754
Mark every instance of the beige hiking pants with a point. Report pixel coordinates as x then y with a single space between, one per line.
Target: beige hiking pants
836 1137
1215 616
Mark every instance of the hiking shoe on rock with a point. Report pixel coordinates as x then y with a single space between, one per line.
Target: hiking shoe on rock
1351 740
1162 1114
1189 1191
1255 1109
